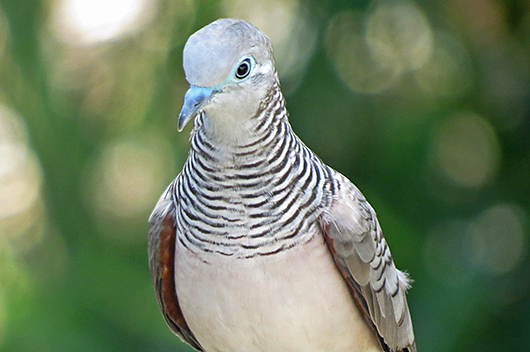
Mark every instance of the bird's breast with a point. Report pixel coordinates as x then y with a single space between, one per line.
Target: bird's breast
294 300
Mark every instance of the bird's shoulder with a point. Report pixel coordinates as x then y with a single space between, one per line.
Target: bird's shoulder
354 236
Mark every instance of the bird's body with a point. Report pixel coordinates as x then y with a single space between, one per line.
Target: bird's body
258 246
293 301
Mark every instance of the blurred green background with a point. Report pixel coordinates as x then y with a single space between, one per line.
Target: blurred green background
425 105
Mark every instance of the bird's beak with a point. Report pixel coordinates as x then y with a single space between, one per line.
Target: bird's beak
193 101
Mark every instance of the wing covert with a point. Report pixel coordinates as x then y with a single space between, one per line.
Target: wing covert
161 253
363 257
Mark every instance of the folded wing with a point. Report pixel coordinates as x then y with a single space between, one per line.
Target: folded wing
361 253
161 251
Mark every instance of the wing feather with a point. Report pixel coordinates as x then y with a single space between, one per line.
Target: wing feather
161 252
362 255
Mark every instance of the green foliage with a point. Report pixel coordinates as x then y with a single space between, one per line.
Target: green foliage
424 105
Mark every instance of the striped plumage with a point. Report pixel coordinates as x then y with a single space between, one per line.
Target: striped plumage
252 197
255 199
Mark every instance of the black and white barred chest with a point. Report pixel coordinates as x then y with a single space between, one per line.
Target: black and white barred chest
258 199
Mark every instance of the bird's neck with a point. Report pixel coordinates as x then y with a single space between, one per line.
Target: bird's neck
256 137
230 187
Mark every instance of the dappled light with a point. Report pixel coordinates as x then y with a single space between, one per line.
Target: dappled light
125 181
354 62
398 33
22 216
466 150
373 50
288 25
108 72
490 243
82 22
21 208
497 239
449 70
422 104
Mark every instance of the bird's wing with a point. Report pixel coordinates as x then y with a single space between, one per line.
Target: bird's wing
361 253
161 251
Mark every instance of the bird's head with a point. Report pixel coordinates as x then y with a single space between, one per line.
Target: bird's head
230 67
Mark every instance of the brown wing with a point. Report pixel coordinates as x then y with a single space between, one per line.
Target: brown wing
361 253
161 250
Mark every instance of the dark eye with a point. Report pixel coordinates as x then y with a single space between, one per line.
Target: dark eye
244 69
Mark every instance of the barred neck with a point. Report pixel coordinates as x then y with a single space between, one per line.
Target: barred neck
256 198
241 136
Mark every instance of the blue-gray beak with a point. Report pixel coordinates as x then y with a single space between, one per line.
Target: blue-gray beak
193 101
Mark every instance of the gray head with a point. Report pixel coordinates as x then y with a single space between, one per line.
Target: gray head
211 52
229 65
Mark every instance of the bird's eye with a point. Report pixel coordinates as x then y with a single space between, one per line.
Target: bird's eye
244 69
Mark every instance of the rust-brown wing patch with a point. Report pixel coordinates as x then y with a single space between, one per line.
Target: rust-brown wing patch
162 237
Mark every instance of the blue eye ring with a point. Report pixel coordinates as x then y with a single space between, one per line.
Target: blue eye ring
244 68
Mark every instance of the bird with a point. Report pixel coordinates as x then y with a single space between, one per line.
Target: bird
257 245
